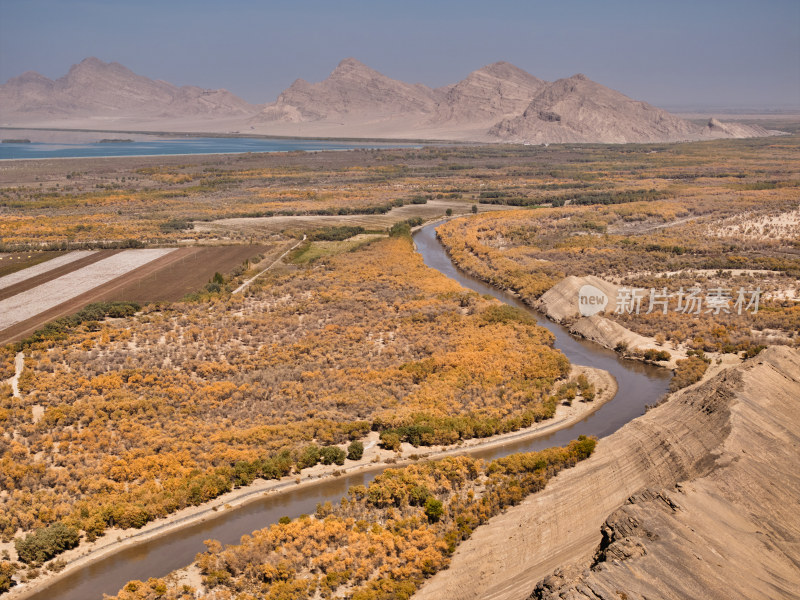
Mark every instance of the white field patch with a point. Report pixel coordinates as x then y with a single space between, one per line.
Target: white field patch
44 267
28 304
783 226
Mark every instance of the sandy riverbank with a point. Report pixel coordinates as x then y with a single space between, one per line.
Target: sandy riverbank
374 459
684 500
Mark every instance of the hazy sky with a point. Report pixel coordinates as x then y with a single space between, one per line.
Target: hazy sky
667 52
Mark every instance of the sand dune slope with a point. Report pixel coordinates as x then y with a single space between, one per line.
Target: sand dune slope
729 529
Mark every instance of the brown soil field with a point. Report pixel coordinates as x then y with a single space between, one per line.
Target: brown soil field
165 279
11 262
186 271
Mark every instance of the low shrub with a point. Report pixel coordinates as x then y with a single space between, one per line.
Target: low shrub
688 371
334 234
656 355
97 311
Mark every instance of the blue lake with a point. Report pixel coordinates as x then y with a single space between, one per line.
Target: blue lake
160 146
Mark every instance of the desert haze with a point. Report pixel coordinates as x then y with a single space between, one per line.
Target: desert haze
497 103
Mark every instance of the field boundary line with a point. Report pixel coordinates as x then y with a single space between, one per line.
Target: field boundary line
44 267
247 283
40 299
99 293
38 279
19 364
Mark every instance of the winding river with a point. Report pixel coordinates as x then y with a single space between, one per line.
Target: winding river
639 385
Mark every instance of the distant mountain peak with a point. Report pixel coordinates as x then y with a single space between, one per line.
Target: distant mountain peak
92 64
502 69
577 109
91 61
351 92
351 68
487 94
29 77
500 64
351 63
92 70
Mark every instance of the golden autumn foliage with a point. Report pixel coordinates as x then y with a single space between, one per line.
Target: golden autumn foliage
728 219
141 200
128 420
159 204
6 362
144 415
381 541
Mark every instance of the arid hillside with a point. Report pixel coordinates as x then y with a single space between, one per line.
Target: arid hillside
499 102
356 98
110 93
677 504
352 92
486 94
578 109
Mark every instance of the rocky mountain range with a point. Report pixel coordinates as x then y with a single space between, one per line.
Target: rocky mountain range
95 89
497 103
577 109
353 92
497 90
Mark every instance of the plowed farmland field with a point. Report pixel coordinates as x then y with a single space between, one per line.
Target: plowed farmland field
167 275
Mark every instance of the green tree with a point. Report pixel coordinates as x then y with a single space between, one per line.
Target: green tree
332 454
433 509
308 457
355 450
45 543
390 440
401 229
